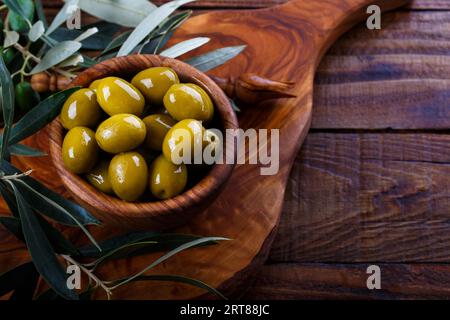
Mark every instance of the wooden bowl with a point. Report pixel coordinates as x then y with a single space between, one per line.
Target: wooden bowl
158 215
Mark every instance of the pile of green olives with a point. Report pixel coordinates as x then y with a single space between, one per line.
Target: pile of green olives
121 135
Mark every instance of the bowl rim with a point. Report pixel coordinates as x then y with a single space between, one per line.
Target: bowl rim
195 196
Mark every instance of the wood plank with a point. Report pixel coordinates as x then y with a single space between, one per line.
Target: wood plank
367 197
348 281
252 4
394 78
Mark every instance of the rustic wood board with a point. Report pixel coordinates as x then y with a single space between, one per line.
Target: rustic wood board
250 215
252 4
400 160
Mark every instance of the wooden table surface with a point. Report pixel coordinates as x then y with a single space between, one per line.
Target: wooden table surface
372 182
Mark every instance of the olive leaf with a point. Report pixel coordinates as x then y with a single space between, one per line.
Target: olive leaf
57 54
7 94
60 244
215 58
116 42
184 46
79 213
25 151
97 41
41 250
50 208
87 62
21 14
114 243
40 12
15 6
182 279
26 284
234 105
9 279
36 31
122 252
39 116
164 32
123 12
86 34
74 60
148 24
12 224
11 38
168 255
9 199
64 13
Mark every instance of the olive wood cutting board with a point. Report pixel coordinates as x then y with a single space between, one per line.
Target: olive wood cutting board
285 43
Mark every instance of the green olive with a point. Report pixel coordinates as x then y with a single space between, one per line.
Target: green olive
116 96
154 83
94 85
79 150
99 177
80 109
120 133
188 101
212 145
157 127
128 174
167 180
183 141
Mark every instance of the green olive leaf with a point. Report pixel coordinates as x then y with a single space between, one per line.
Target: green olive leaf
7 94
148 24
26 285
36 31
184 47
165 31
41 250
10 200
11 278
123 12
12 224
63 15
11 38
215 58
40 12
116 42
57 54
87 62
74 60
15 6
50 208
122 252
185 246
25 151
79 213
114 243
39 116
97 41
21 14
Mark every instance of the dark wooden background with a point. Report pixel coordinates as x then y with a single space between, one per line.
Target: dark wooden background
372 182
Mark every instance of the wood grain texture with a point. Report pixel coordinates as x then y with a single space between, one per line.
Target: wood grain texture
312 26
253 4
348 281
365 197
396 78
